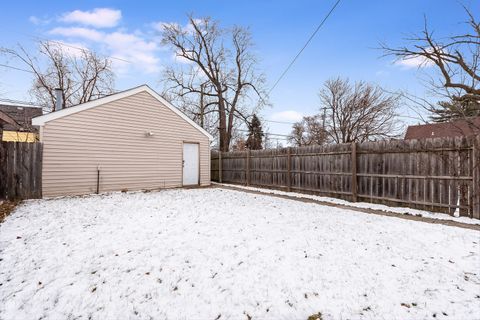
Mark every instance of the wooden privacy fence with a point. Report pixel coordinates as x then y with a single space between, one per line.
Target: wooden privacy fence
440 175
20 170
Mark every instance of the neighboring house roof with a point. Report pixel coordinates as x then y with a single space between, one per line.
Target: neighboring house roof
5 118
458 128
21 114
40 121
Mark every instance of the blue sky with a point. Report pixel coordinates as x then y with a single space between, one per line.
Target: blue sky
345 46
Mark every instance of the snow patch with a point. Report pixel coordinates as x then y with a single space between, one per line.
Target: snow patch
219 254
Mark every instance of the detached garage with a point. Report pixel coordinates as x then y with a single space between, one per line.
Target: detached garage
131 140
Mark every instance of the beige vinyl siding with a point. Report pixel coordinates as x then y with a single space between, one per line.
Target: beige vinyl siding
113 136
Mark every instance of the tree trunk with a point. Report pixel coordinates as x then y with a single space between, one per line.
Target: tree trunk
222 125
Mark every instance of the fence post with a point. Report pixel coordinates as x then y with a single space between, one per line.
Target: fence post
247 170
3 164
354 172
289 169
38 170
476 178
220 166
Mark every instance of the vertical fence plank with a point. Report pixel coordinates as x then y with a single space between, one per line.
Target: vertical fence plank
354 171
11 150
476 178
38 185
463 171
220 162
289 169
3 165
247 168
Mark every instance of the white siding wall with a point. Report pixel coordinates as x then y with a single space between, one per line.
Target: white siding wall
112 136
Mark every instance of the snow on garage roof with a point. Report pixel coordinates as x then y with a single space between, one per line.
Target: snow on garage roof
40 121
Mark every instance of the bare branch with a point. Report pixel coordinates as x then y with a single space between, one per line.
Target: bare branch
82 77
220 75
457 60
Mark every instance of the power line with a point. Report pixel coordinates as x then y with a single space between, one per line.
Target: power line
282 122
78 48
304 46
36 37
267 133
15 68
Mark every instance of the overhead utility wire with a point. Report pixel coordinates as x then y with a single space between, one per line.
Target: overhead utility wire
79 48
15 68
37 37
298 55
304 46
281 122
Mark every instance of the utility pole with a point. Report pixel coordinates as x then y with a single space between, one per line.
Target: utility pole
202 105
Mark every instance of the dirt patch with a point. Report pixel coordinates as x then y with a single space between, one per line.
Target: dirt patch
6 207
316 316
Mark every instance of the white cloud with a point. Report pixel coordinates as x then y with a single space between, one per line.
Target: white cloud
158 26
130 47
133 48
127 50
287 115
34 20
77 32
99 17
382 73
38 21
180 59
189 27
414 62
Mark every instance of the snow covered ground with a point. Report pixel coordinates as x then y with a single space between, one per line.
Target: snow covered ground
364 205
219 254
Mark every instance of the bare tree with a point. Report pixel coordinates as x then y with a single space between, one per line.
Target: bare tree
297 136
309 131
359 112
222 73
82 75
239 144
456 59
191 95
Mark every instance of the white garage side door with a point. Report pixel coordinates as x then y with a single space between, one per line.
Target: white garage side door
191 165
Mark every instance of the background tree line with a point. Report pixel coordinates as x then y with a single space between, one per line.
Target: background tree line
350 113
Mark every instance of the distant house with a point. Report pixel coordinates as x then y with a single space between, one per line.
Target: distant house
458 128
16 121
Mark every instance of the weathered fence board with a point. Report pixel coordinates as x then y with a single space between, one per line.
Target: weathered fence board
441 175
20 170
